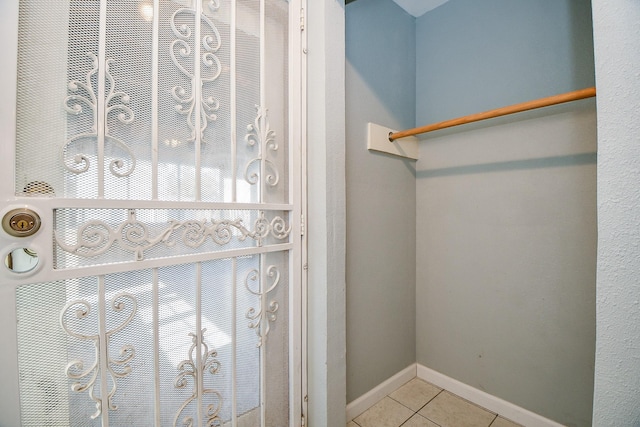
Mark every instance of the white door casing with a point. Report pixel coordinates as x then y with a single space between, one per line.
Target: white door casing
164 157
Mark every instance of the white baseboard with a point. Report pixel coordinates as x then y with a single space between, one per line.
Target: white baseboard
371 397
481 398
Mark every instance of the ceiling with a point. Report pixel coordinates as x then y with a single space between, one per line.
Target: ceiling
419 7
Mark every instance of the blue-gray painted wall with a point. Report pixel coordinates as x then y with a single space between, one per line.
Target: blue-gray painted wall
503 222
506 230
381 211
473 56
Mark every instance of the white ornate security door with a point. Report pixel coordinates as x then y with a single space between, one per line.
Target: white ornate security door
151 183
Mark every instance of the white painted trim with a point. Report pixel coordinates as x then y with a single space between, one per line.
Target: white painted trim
371 397
234 333
155 296
263 105
155 59
101 107
486 400
326 220
196 91
297 194
199 340
9 395
51 275
233 108
50 203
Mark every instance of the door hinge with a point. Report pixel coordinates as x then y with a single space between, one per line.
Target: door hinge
302 19
303 421
302 225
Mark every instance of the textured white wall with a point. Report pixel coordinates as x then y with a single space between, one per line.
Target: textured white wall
617 373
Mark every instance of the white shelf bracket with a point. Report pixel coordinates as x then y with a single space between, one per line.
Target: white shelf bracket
378 140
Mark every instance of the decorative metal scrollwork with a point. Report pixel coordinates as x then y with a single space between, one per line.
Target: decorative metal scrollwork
83 95
97 237
266 312
85 379
210 67
190 369
259 133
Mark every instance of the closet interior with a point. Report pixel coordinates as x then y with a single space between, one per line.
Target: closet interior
472 259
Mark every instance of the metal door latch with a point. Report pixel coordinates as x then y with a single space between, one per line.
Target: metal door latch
21 222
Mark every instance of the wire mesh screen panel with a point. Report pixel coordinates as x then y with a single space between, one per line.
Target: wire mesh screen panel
128 68
84 351
179 106
128 297
218 338
202 343
247 35
44 390
156 137
43 66
276 67
216 151
248 353
178 340
276 338
77 153
139 109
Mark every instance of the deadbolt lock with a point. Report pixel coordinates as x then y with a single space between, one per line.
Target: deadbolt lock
21 222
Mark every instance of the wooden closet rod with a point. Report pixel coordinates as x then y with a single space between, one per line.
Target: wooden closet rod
517 108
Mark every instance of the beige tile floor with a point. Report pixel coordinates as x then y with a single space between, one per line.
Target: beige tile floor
421 404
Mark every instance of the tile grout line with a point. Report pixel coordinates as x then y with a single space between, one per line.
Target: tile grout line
495 415
431 400
419 409
416 412
395 400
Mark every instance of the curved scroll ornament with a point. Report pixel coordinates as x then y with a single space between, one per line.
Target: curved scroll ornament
85 379
96 237
191 370
115 103
259 133
277 227
181 54
260 318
